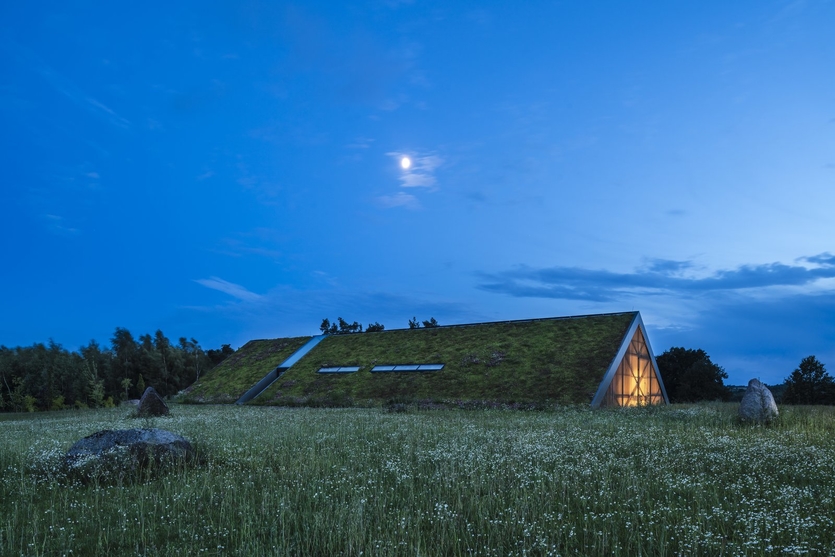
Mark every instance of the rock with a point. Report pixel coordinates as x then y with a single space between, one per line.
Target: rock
757 404
122 453
151 404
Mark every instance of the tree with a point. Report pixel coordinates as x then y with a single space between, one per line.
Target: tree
689 376
344 327
196 360
127 384
810 383
327 328
375 327
415 324
217 356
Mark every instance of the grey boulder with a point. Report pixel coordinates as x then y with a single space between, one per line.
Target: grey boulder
151 404
122 453
757 404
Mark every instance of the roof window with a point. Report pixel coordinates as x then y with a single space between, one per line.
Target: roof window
408 367
339 369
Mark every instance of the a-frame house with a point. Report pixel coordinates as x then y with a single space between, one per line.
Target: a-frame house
602 360
633 378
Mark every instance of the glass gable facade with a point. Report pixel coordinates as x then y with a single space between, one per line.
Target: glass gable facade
635 382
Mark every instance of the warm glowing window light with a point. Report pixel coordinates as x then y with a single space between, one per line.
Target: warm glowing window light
634 383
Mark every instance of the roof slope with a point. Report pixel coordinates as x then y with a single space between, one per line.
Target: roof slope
560 359
240 371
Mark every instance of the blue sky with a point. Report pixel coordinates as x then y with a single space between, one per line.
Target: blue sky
231 170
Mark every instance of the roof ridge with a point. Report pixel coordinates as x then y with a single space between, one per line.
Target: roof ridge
528 320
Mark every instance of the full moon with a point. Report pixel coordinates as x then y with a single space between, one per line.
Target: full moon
405 163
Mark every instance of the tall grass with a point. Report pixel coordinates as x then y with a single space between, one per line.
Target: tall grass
684 480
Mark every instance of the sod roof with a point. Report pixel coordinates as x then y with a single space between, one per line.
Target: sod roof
561 360
240 371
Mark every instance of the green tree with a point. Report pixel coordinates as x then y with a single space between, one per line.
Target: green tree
810 383
327 328
194 362
126 384
689 376
95 389
217 356
415 324
96 372
344 328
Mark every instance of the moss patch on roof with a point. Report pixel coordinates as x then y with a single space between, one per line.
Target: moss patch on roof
561 360
243 369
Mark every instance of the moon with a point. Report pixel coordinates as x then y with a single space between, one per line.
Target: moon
405 163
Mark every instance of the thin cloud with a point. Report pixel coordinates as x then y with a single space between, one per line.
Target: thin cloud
659 277
399 199
57 224
232 289
63 85
360 143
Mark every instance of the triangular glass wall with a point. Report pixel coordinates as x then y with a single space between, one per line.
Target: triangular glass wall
635 382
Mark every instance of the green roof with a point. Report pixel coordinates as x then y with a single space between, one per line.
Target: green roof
240 371
558 359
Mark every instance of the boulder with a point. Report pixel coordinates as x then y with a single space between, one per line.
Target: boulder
122 453
151 404
757 404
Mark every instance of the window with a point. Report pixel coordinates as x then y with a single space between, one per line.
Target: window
408 367
340 369
635 382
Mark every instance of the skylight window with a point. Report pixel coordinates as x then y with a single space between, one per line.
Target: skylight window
340 369
408 367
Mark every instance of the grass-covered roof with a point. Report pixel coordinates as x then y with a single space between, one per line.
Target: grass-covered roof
561 360
240 371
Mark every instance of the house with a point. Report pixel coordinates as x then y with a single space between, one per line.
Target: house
601 360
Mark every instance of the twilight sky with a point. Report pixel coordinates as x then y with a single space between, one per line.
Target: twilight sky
231 170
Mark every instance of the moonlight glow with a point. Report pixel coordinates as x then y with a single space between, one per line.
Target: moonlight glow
405 163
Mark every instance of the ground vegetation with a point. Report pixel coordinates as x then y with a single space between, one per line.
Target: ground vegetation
679 480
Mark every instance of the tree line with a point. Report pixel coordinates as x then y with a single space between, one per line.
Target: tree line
342 327
50 377
690 376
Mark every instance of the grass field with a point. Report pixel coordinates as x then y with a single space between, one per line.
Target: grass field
681 480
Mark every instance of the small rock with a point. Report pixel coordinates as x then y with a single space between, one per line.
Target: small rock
151 404
122 453
757 404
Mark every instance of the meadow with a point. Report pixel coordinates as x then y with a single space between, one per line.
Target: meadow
680 480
